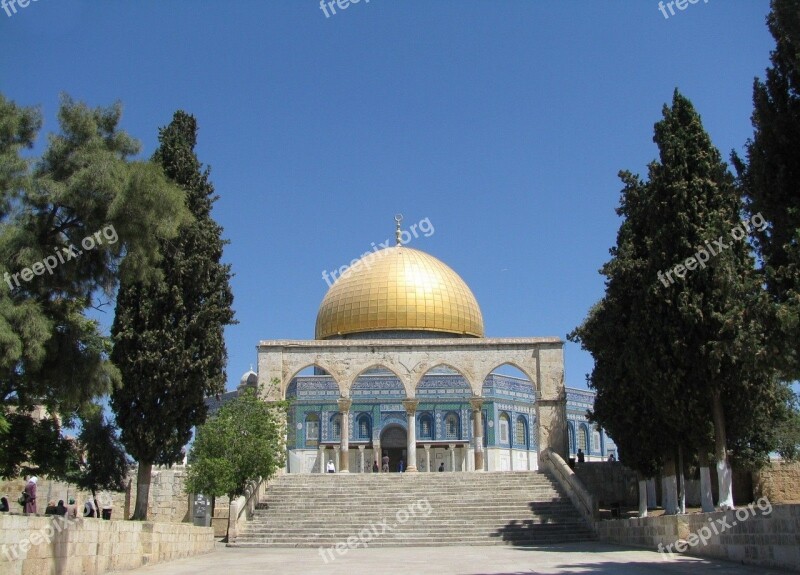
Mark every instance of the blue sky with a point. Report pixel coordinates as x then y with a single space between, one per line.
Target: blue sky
503 123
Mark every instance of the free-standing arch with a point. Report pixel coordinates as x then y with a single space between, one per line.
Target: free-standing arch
539 358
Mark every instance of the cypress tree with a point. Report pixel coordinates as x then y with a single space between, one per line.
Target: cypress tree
770 182
168 332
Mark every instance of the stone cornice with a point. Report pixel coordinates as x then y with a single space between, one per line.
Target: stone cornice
451 343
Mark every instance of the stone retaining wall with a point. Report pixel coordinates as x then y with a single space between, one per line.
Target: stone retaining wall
779 482
609 482
760 534
168 503
33 545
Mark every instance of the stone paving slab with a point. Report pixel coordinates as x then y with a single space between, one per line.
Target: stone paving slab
590 558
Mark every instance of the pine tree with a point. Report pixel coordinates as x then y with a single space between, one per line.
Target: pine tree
87 196
168 333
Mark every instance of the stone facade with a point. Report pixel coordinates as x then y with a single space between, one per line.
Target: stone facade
31 545
411 393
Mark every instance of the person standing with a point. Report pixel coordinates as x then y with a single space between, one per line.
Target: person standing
30 495
401 466
385 464
441 466
331 467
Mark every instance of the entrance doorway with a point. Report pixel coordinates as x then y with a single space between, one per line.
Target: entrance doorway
393 444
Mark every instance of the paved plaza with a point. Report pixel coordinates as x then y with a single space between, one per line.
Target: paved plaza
594 558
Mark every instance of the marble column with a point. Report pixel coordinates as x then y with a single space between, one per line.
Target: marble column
344 444
376 452
361 458
322 461
452 448
477 431
427 457
411 444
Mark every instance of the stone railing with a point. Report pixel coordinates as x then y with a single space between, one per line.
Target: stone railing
243 507
578 494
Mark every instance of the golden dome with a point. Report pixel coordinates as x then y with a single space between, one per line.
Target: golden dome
399 289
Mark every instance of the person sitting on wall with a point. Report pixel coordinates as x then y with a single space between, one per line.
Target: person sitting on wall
4 505
441 466
611 457
72 508
61 509
331 468
580 455
88 509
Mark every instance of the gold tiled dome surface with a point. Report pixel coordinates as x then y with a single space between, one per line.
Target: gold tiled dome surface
399 288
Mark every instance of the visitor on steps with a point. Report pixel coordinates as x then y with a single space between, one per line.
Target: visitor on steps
331 467
401 466
441 466
385 464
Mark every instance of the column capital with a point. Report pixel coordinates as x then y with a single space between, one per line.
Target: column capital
344 404
410 405
452 446
361 447
476 403
427 446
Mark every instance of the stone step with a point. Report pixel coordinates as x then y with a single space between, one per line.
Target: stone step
520 508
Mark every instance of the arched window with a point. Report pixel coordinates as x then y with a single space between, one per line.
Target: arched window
312 428
364 427
425 426
336 426
451 426
583 439
571 438
520 431
504 428
596 444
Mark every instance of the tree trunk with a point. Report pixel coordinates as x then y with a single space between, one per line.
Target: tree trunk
642 496
681 483
670 496
706 497
143 475
724 475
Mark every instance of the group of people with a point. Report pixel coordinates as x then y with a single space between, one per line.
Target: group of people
27 500
331 466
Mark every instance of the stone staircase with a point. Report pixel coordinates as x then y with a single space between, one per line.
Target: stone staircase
413 509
